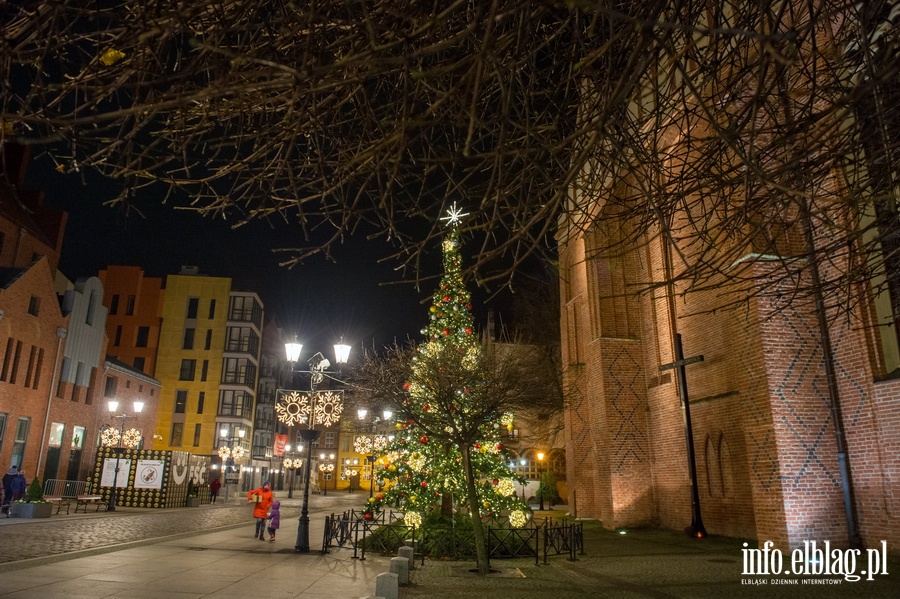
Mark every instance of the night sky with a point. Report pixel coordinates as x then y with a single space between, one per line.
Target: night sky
356 297
319 300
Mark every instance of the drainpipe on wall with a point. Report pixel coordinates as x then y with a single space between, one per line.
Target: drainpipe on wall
834 399
60 334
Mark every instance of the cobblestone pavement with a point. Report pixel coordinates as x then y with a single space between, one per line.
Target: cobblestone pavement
61 534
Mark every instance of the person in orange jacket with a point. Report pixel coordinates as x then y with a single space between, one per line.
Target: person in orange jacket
261 507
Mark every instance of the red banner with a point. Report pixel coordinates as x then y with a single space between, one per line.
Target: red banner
280 442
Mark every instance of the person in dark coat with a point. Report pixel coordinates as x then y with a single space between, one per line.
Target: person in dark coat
214 487
18 486
12 473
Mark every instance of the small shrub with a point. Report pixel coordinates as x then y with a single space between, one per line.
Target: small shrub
34 493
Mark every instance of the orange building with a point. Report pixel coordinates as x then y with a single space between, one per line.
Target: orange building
135 315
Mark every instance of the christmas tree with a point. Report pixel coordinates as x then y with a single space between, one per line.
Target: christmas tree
451 416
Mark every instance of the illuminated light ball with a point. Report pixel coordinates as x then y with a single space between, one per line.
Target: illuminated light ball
413 519
499 446
517 518
423 439
506 487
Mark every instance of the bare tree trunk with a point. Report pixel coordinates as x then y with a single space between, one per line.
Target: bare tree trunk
481 556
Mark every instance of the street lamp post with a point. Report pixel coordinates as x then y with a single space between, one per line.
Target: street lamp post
540 457
313 409
326 468
113 406
371 442
523 462
292 464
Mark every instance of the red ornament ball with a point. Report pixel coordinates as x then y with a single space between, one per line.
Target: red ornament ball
468 330
424 484
446 298
446 332
407 385
423 439
496 481
426 407
367 516
478 446
499 446
410 421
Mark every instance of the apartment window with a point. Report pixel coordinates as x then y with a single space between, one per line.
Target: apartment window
109 389
329 439
187 370
177 430
180 401
18 448
143 337
114 305
208 338
212 309
38 369
118 339
34 305
193 305
188 339
129 308
197 435
204 370
139 363
200 400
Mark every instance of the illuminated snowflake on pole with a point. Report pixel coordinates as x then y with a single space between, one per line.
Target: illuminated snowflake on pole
329 405
363 444
380 442
224 452
237 452
293 408
131 438
109 437
295 463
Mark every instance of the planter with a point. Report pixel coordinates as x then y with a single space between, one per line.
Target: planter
192 502
31 510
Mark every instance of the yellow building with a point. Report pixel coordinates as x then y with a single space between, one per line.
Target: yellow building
207 361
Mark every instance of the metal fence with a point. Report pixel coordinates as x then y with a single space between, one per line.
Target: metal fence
385 533
64 488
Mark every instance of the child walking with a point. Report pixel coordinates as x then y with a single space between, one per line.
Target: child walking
273 519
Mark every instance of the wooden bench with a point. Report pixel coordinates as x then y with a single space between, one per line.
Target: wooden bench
82 501
61 502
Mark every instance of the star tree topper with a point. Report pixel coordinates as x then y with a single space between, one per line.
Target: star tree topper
454 215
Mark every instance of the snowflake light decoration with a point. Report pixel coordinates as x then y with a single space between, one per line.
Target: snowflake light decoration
131 438
363 444
454 215
329 406
237 452
293 408
109 437
224 452
295 463
380 442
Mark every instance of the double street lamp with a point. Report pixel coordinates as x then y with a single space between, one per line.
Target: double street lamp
371 442
292 465
131 440
230 453
312 408
327 470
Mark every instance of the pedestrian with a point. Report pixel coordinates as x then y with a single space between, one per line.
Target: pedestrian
214 487
11 474
18 486
262 499
273 519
